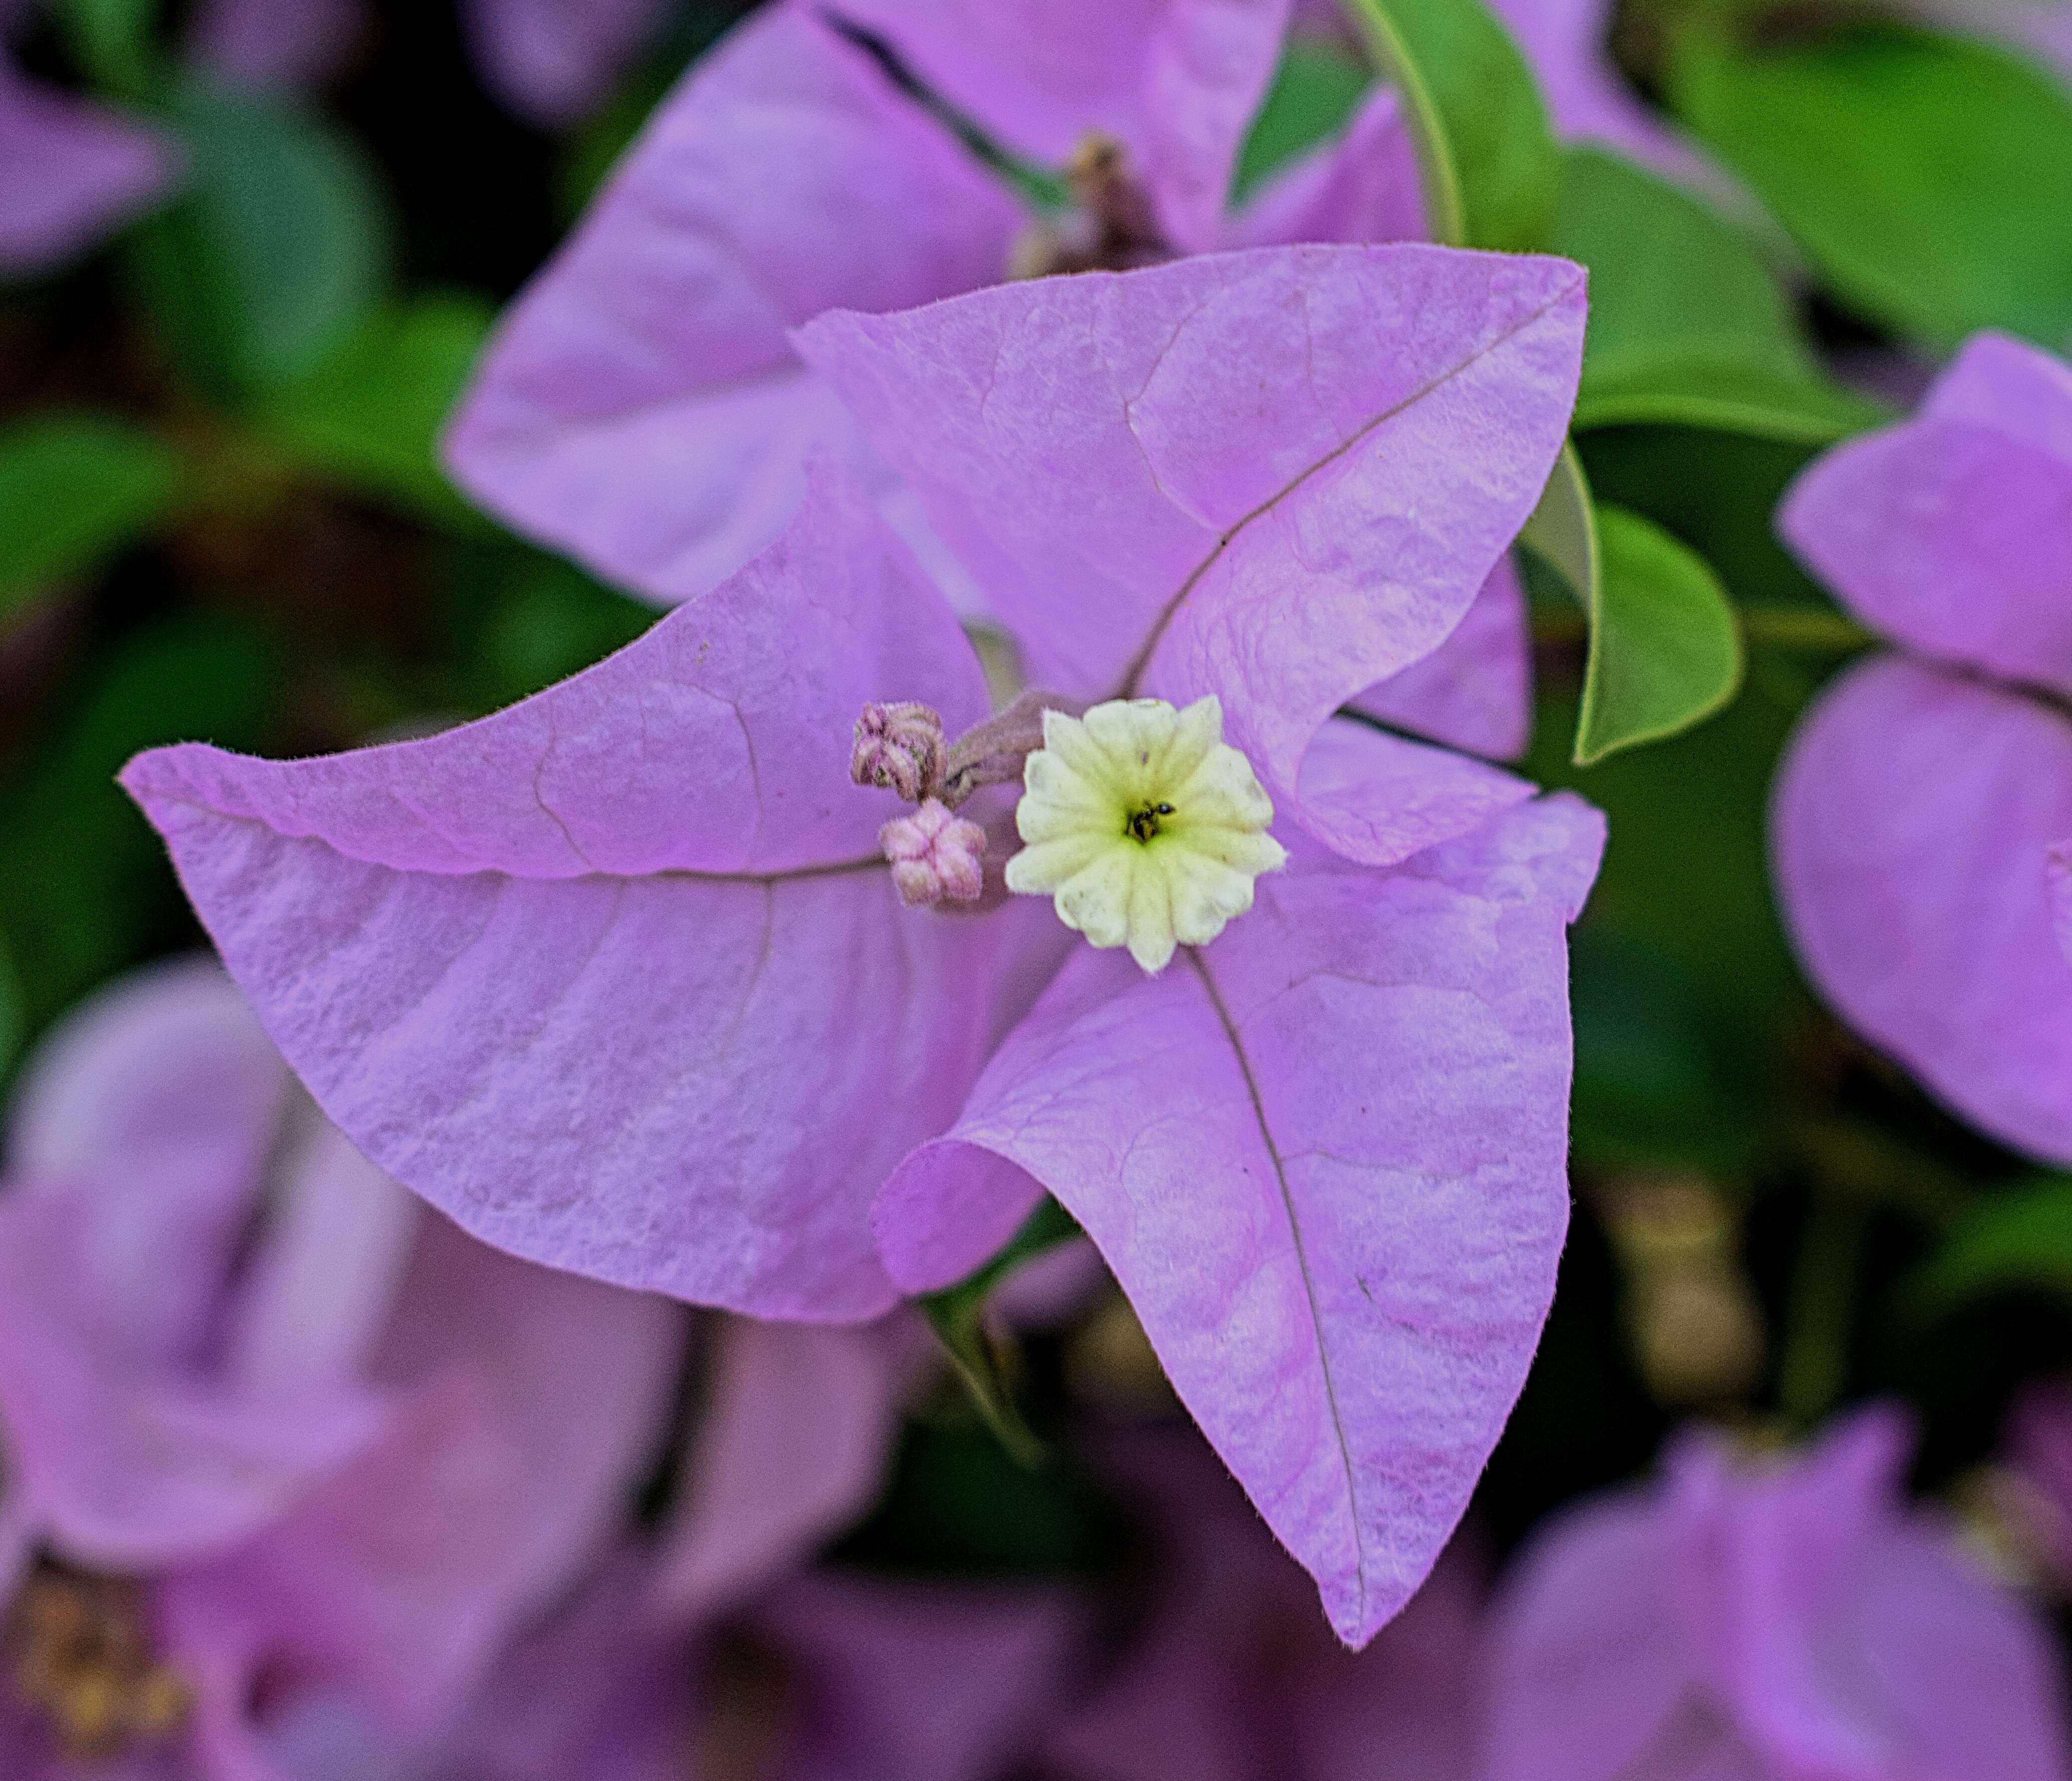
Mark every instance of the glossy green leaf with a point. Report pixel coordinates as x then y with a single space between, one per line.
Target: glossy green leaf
278 249
1491 170
2018 1240
1925 177
957 1315
1315 91
1562 530
370 415
75 487
1687 325
1665 651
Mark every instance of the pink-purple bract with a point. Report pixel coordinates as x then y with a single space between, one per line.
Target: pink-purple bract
1919 815
1569 44
1760 1620
2039 1453
552 62
618 977
643 406
77 171
329 1441
790 174
1231 1678
829 1677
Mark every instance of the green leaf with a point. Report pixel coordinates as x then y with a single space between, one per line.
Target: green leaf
1687 325
1925 177
75 487
1562 530
1654 1081
113 41
2018 1240
1665 651
1491 171
1316 89
14 1023
957 1313
370 415
278 249
85 885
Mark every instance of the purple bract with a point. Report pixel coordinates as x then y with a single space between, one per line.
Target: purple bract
1919 815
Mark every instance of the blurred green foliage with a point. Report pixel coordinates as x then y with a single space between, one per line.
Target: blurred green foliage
1924 175
280 245
75 487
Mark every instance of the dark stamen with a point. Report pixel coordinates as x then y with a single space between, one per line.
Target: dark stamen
1143 821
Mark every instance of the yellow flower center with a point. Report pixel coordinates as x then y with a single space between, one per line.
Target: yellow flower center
1143 825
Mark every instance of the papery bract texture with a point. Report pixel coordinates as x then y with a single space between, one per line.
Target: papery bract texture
337 1444
2060 869
1474 691
909 1682
1568 43
1919 809
1232 1676
1951 534
1913 822
794 1444
1790 1619
1362 187
640 405
553 61
1911 831
275 43
618 977
76 170
1326 1157
1278 476
1176 82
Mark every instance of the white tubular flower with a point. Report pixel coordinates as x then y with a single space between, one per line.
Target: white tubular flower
1144 825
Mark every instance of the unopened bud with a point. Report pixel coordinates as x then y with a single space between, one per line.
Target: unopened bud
901 748
936 856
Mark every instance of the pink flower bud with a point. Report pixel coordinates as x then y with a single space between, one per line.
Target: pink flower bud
936 856
900 747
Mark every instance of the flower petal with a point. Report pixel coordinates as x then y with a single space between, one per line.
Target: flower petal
120 1461
578 1375
1326 1159
909 1682
553 61
640 406
1474 691
157 1101
1590 1675
385 1581
1910 830
1952 532
275 43
1568 43
1279 476
617 978
1362 187
75 171
1175 81
794 1445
